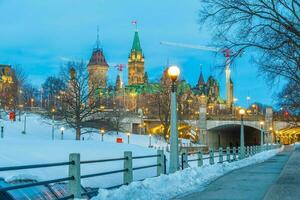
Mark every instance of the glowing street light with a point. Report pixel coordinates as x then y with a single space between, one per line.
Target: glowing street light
271 135
261 134
128 137
242 142
102 131
173 73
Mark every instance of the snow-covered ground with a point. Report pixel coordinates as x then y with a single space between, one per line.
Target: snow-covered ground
182 182
37 146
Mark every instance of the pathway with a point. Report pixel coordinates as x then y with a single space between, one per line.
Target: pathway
267 180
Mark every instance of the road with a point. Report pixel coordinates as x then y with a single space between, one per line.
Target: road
276 178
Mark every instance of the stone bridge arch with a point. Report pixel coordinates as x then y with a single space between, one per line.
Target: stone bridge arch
228 134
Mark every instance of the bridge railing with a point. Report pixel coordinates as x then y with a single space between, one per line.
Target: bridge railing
222 155
74 178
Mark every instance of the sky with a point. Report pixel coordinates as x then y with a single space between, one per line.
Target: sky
43 35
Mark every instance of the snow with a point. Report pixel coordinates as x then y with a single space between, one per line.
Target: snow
181 182
37 147
41 129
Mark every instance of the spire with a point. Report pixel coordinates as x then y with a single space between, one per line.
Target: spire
136 45
201 79
98 40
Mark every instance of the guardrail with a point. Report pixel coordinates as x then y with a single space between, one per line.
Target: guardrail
74 178
231 155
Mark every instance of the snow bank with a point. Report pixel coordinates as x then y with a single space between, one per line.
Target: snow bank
181 182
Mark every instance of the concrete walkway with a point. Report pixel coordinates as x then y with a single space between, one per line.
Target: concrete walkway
256 182
287 185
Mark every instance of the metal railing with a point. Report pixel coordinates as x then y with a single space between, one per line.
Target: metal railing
230 155
74 178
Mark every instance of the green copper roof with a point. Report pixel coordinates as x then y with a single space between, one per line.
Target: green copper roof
136 46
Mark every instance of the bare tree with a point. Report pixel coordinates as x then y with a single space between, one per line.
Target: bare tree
289 101
270 26
80 101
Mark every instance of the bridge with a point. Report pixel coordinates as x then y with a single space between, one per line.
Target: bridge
222 131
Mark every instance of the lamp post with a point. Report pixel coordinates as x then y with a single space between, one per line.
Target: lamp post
102 133
52 132
271 135
128 138
150 137
24 127
242 143
62 132
173 73
261 134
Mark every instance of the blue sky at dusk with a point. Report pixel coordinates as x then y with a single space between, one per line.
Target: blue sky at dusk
42 35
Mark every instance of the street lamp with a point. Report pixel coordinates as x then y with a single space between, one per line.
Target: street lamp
271 135
53 111
261 134
242 144
173 73
102 133
150 136
24 127
128 137
62 132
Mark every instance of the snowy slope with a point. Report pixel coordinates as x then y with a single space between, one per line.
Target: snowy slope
39 128
36 147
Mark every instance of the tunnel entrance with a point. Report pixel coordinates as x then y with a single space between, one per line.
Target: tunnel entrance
229 136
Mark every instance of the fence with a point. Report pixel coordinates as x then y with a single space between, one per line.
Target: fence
74 178
229 154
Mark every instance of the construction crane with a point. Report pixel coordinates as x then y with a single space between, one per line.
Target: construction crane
227 54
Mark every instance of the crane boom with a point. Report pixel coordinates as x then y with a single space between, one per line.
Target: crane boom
190 46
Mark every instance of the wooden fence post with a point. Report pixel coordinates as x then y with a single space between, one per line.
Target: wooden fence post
127 174
160 162
74 171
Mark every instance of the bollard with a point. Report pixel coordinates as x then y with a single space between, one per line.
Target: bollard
211 156
2 131
127 174
200 159
74 171
234 153
220 155
228 154
160 162
184 159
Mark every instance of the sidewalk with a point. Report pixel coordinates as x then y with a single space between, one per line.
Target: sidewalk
287 185
251 182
